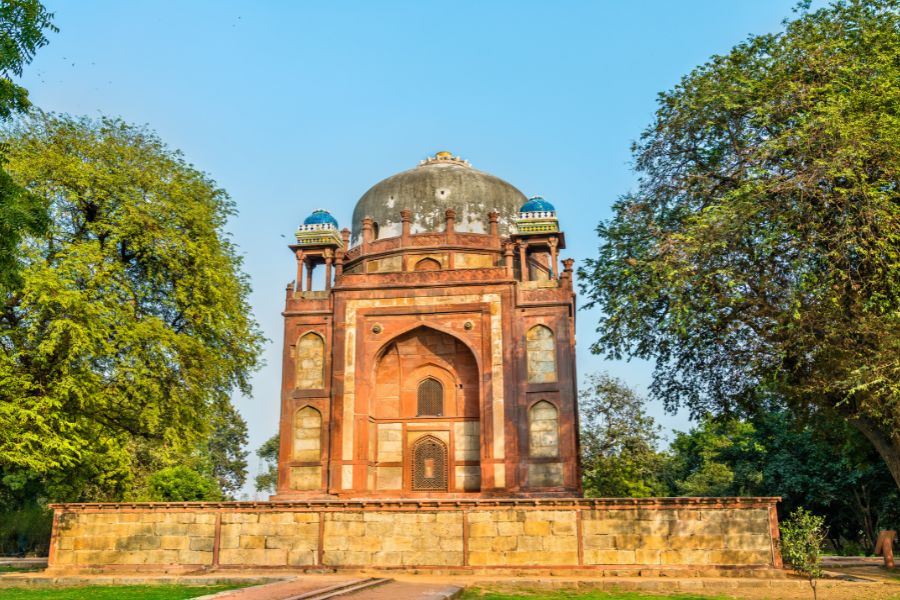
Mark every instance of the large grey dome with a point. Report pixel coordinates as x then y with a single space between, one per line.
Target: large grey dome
438 183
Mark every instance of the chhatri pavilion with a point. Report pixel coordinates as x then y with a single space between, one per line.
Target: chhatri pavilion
438 356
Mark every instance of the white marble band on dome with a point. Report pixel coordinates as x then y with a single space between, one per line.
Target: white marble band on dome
316 227
541 214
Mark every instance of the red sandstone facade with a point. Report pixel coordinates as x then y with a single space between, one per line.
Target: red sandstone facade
434 363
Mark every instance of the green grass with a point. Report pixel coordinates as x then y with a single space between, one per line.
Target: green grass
25 569
113 592
476 594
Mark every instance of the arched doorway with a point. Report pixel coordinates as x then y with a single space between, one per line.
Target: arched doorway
425 415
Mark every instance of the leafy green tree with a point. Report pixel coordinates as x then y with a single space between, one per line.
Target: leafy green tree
827 467
23 24
268 452
181 484
761 249
802 536
717 458
227 456
22 27
131 329
618 441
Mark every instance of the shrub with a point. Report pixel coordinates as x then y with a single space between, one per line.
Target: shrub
802 536
181 484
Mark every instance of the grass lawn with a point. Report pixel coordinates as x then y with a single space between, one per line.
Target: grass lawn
113 592
475 594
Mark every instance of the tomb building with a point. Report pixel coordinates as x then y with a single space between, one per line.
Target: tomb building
436 356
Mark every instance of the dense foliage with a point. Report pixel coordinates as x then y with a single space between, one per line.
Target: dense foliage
618 441
22 27
760 253
828 468
181 484
131 329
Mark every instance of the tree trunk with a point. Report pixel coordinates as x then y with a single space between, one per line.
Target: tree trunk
887 444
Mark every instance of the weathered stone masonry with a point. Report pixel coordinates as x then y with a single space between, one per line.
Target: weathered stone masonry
475 534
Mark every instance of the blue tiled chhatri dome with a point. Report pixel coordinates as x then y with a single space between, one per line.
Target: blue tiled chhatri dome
321 216
536 204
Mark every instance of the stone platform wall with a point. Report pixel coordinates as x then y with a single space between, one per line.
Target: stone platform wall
577 533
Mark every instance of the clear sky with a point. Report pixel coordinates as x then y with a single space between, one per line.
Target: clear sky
292 106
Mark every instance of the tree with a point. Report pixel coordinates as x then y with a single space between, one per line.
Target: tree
802 535
22 27
826 467
618 441
717 458
228 459
268 452
760 253
131 329
181 484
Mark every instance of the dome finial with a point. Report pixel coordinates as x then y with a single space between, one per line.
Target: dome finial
444 157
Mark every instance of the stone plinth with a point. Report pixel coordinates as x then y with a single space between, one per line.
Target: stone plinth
437 534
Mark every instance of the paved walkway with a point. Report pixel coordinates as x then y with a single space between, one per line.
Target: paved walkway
306 587
280 590
406 590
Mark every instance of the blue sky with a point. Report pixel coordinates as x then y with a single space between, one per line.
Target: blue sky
292 106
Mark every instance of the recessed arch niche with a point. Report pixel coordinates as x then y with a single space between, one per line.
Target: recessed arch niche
540 347
543 430
307 446
415 356
310 362
427 264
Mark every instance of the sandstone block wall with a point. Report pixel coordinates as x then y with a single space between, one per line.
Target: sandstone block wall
468 534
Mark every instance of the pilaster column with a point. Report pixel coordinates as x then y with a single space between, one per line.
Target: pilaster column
567 270
554 265
494 228
298 284
367 232
523 261
338 264
450 229
328 259
405 225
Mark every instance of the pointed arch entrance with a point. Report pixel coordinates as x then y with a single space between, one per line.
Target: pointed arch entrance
425 414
